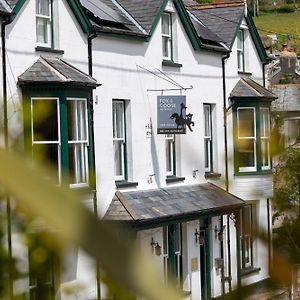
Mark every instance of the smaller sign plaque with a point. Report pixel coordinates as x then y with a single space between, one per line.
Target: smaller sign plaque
148 130
194 264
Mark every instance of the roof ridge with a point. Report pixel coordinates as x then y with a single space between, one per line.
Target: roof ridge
78 70
128 15
44 61
250 86
214 5
126 205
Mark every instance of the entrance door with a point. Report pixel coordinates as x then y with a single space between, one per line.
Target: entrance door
205 259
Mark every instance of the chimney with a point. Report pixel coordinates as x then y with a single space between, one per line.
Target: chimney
287 60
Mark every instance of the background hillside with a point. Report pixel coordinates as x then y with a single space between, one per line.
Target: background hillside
282 22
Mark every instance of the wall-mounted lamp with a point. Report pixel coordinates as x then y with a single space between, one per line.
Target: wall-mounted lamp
155 247
195 173
219 233
199 237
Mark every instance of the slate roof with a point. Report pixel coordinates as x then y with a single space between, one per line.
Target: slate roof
144 12
222 21
248 88
107 17
55 70
165 203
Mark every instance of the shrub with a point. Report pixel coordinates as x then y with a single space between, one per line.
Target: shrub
286 8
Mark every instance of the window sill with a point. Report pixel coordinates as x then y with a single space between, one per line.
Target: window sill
172 179
249 271
244 73
212 175
125 184
51 50
267 172
169 63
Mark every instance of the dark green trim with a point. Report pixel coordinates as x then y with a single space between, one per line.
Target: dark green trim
172 179
208 242
50 50
249 271
64 136
157 18
263 172
17 8
257 40
52 25
169 63
208 175
125 184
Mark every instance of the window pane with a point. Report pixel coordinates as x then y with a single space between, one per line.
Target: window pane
42 28
77 128
78 163
246 153
246 124
165 24
118 120
166 47
45 120
207 153
264 122
240 39
207 122
119 158
48 153
265 150
43 7
169 155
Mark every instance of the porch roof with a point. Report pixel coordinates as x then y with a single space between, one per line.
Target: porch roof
55 70
183 202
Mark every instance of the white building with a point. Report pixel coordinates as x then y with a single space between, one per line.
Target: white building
171 188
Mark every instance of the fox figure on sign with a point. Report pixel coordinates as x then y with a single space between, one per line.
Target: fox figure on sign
180 121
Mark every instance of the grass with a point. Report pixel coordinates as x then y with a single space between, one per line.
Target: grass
282 24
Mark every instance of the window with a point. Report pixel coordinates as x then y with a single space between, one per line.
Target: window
240 50
172 253
119 138
207 138
246 139
166 30
265 138
170 155
247 235
44 26
252 136
66 151
78 140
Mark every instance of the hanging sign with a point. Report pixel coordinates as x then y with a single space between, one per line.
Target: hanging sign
171 115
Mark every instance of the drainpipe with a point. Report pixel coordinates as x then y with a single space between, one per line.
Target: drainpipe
91 36
226 56
264 72
5 127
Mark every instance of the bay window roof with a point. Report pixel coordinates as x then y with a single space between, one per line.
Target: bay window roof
49 70
249 89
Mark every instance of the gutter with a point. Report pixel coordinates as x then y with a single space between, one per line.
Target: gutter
5 125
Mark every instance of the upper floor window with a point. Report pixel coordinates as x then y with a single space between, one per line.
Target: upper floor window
208 137
170 155
240 50
59 131
44 24
119 139
166 31
252 137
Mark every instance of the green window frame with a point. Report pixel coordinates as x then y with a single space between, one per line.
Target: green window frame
208 138
172 253
251 122
57 126
170 155
44 23
167 36
247 235
119 139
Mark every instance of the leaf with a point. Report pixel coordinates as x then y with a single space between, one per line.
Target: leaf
62 211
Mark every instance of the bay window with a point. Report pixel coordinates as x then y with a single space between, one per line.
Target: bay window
252 138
